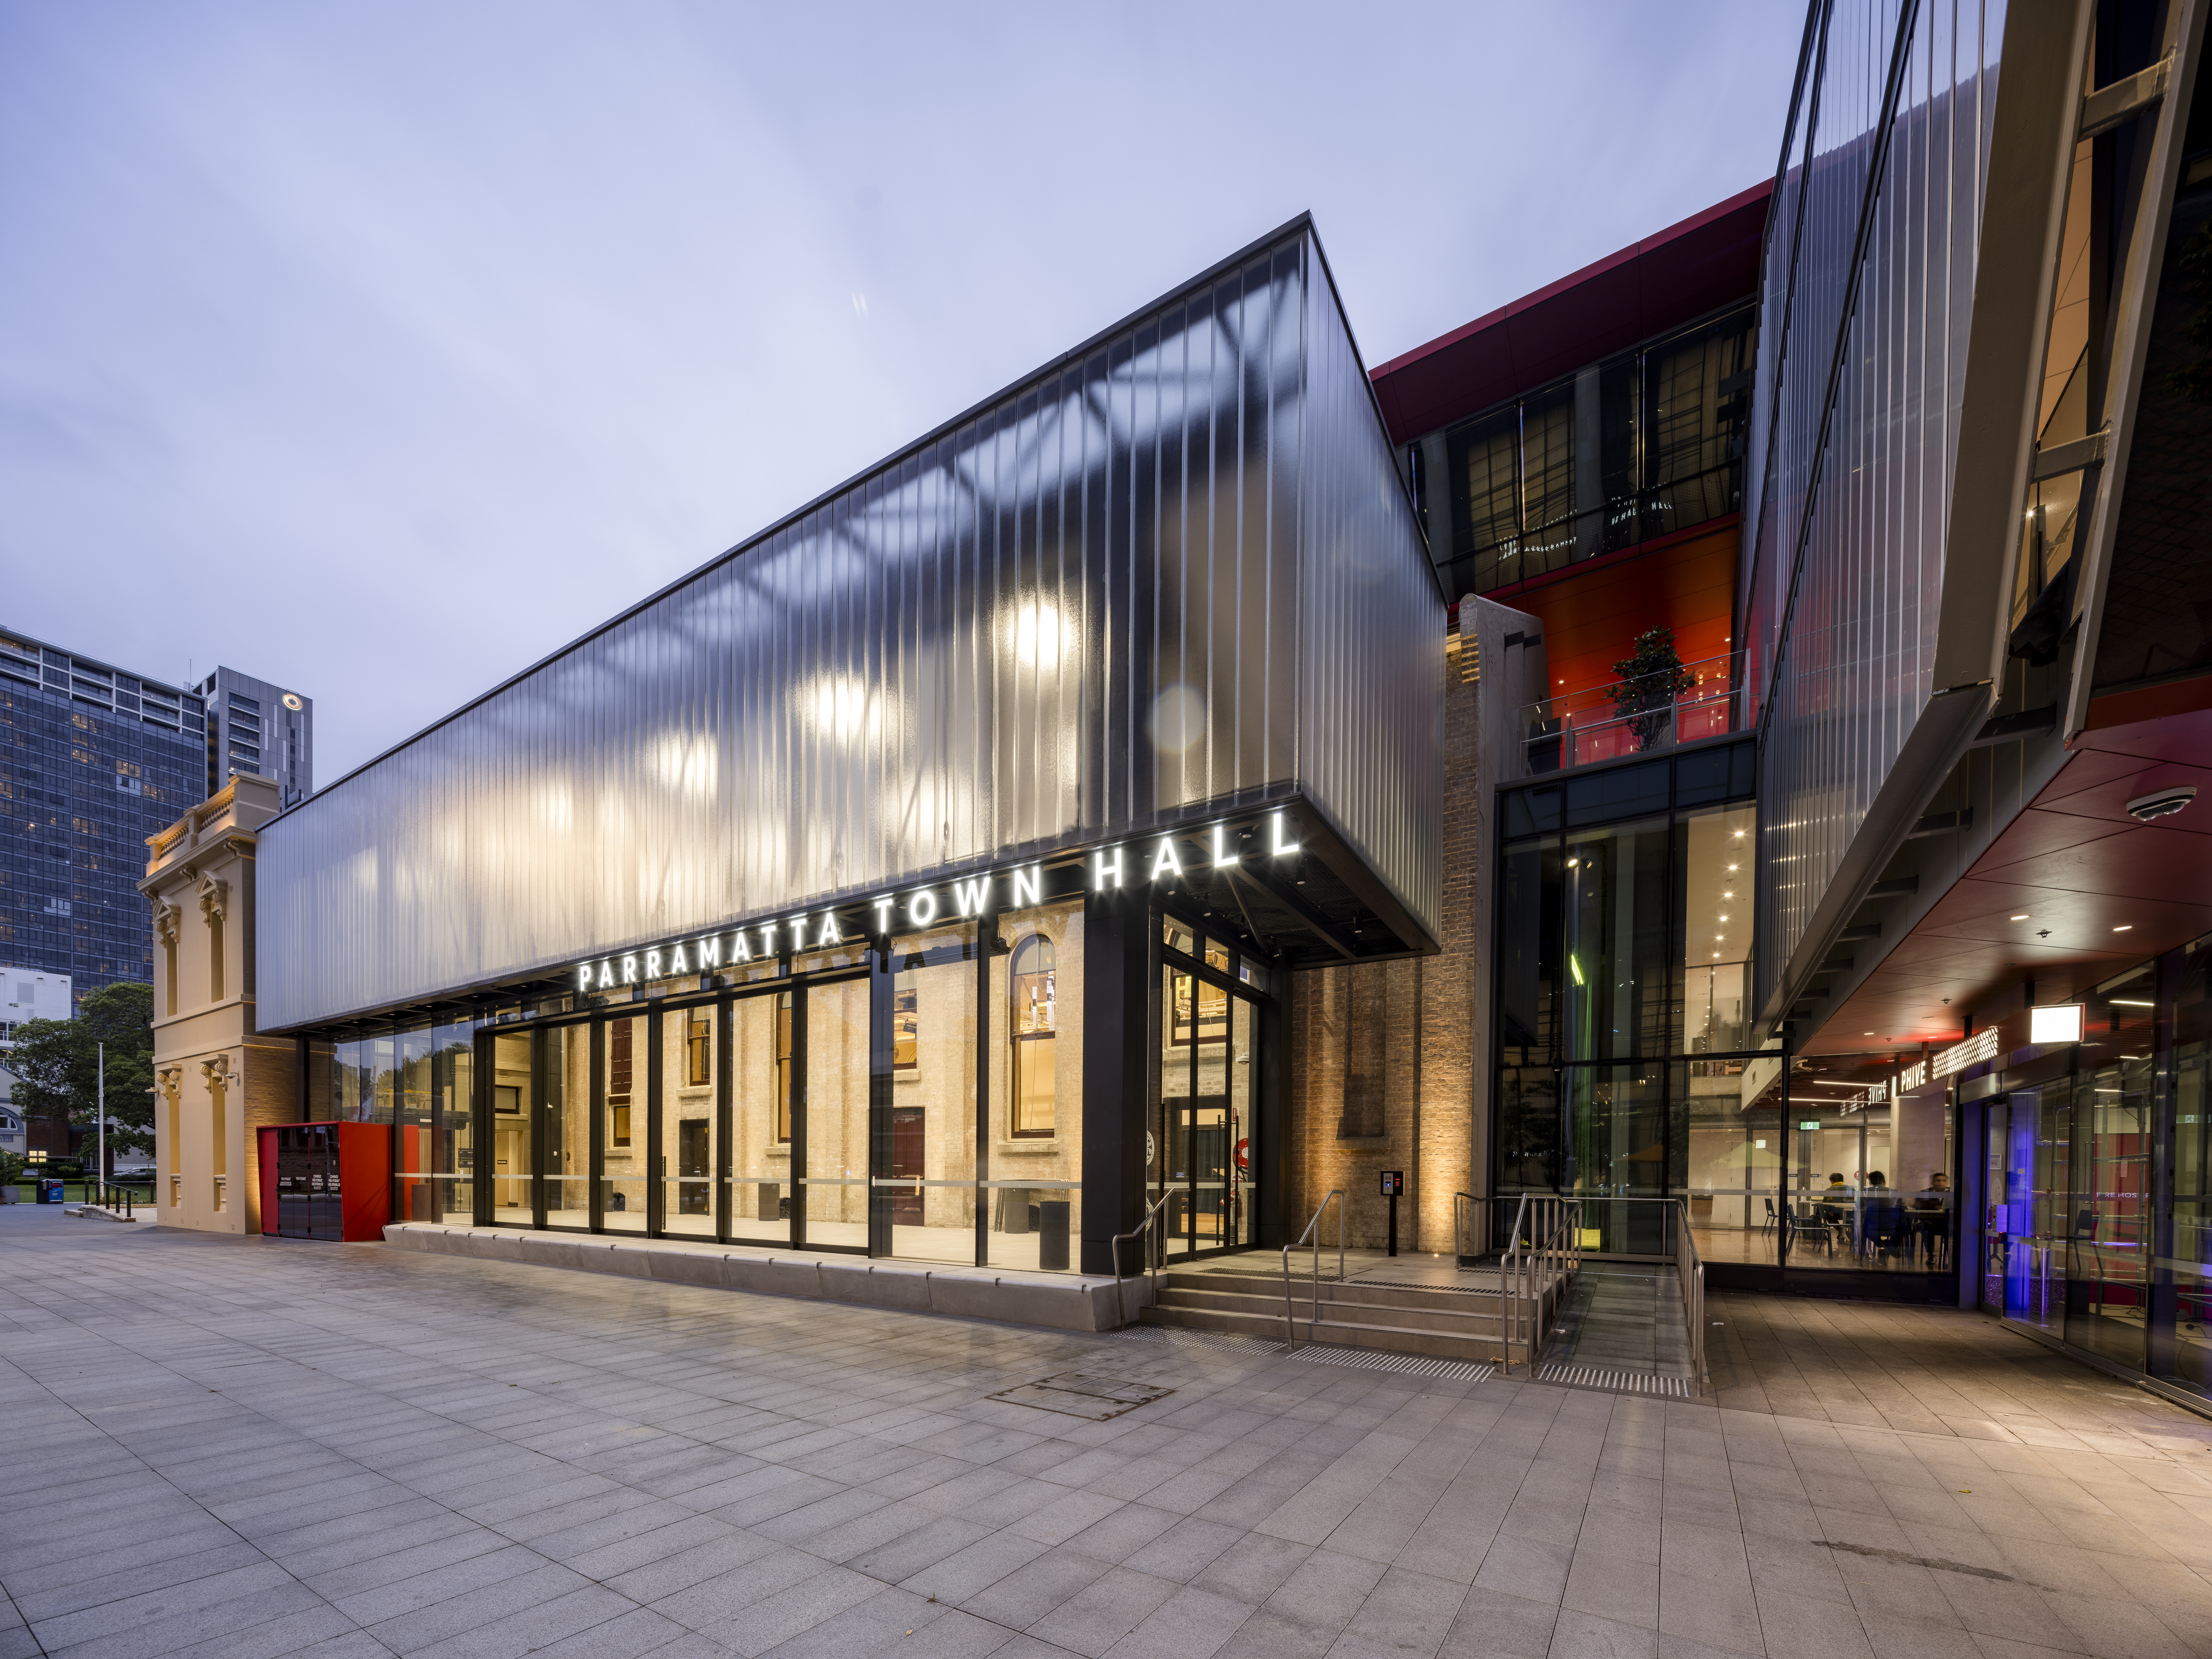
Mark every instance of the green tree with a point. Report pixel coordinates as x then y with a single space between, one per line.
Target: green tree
1651 678
57 1065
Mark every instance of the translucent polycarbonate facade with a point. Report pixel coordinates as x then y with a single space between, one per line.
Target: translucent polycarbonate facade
1851 475
1173 573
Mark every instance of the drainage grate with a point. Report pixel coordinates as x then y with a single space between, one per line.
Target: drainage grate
1078 1394
1489 1289
1586 1377
1181 1339
1411 1364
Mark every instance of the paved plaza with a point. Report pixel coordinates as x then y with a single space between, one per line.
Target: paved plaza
248 1449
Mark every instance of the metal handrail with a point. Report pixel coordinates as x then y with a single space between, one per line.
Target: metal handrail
1313 1230
1692 1272
1513 1245
1552 1255
1120 1296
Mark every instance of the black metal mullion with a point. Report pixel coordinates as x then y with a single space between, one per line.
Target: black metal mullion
595 1095
726 1030
533 1119
656 1192
986 935
799 988
480 1099
883 983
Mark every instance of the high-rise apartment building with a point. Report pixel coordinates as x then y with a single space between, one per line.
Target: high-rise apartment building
92 760
26 994
260 728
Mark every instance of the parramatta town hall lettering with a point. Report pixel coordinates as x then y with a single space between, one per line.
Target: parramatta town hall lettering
1111 868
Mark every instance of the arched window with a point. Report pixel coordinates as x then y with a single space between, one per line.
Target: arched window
1030 1022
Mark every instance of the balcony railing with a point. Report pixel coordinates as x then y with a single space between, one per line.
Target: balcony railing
1630 717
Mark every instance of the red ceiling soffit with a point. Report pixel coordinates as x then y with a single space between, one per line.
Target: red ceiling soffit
1682 272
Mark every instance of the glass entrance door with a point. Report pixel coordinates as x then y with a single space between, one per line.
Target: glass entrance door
1200 1142
2025 1187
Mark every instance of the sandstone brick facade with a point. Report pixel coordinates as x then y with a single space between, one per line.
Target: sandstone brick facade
1386 1061
215 1080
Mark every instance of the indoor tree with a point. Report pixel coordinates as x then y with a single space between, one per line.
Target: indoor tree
1651 678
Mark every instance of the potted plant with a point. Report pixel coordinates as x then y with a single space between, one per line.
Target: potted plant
11 1171
1650 679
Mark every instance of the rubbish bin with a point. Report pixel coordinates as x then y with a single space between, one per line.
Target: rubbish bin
1052 1232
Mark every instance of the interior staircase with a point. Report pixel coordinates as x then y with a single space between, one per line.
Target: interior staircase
1454 1323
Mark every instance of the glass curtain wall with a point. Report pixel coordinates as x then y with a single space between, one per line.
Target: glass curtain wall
1624 1075
1642 444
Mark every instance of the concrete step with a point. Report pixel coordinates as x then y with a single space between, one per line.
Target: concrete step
1484 1317
1362 1291
1382 1339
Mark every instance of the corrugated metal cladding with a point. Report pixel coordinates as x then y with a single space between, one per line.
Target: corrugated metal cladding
1175 570
1845 576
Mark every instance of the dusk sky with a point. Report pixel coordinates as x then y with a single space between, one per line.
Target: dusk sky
378 350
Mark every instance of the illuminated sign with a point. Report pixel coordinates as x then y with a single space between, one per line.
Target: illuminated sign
2058 1024
1982 1046
965 897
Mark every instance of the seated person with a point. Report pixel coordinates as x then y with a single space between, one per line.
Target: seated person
1882 1220
1936 1195
1931 1214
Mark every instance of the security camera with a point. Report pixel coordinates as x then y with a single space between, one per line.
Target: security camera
2161 802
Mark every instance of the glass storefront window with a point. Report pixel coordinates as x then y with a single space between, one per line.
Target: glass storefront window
511 1148
1033 1182
451 1158
2181 1260
1728 1153
624 1103
747 1113
686 1160
760 1118
564 1092
1869 1164
930 1181
832 1186
2107 1233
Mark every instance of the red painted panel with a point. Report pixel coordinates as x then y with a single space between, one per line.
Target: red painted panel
364 1180
2032 837
266 1152
1593 614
